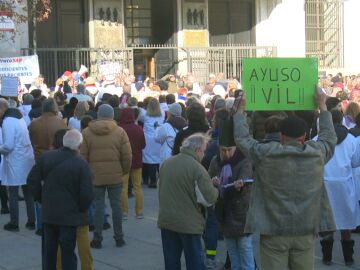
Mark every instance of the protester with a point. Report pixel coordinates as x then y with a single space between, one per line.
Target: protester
181 219
25 107
39 84
153 118
43 128
42 131
82 232
107 149
61 182
341 189
289 205
80 110
165 135
230 166
17 160
137 142
195 114
81 95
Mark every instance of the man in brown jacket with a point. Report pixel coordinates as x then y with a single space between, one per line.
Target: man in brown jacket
43 128
107 148
42 131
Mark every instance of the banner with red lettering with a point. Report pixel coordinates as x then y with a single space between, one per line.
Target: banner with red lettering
26 68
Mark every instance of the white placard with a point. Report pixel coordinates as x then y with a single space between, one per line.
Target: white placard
110 68
9 86
24 67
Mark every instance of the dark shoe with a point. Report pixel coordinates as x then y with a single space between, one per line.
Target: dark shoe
95 244
152 186
348 251
30 225
11 227
106 226
130 195
39 232
120 242
91 228
21 198
326 248
5 211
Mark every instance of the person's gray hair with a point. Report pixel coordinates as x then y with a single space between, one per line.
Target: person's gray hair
195 141
72 139
49 105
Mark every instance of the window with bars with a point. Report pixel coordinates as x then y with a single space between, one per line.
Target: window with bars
324 32
138 22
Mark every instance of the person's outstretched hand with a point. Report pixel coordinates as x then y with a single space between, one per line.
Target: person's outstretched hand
320 98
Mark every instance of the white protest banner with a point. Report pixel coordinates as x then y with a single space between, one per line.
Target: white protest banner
24 67
9 86
110 68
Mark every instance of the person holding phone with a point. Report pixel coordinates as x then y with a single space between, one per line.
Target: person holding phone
231 172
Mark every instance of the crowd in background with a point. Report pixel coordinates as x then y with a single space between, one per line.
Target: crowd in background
156 116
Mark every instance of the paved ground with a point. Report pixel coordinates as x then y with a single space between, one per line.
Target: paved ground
143 250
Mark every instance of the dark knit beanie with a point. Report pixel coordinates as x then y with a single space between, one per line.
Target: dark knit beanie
293 127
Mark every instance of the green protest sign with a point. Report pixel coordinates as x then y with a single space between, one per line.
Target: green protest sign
273 84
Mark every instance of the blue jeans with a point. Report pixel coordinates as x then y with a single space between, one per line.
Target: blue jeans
91 214
241 252
174 243
211 233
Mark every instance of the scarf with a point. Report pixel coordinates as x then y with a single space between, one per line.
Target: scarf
225 178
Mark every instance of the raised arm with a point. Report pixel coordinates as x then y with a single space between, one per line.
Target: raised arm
327 137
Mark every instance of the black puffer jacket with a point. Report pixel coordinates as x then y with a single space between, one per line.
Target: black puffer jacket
186 132
232 208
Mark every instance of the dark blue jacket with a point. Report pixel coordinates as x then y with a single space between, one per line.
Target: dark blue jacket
61 182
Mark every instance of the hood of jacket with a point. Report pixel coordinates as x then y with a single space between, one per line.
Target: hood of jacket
341 133
13 112
102 126
177 122
127 116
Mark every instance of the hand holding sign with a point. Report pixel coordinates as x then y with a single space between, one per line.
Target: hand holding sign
240 102
320 98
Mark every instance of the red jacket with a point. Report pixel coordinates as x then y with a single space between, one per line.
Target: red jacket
135 134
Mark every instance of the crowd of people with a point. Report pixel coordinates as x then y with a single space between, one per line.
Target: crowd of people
221 172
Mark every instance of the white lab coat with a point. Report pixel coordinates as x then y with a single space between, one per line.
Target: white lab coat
17 152
340 183
151 152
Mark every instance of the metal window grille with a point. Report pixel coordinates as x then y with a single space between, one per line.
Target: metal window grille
324 32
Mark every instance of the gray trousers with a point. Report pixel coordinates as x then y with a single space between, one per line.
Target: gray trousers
114 192
14 204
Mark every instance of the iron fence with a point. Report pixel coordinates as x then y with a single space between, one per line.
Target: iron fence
199 61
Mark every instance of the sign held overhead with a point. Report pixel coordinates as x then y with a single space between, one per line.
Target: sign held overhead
273 84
